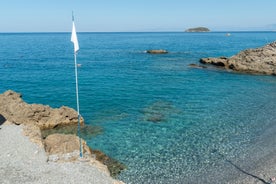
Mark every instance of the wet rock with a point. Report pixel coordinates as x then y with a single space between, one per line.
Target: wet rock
19 112
114 166
259 61
220 61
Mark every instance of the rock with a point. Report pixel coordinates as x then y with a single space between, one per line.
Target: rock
66 148
61 147
259 61
61 144
161 51
86 131
34 134
19 112
220 61
114 166
198 29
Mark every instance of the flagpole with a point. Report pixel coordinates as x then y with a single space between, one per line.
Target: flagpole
76 48
77 98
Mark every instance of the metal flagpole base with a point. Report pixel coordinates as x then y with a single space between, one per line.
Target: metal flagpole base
82 159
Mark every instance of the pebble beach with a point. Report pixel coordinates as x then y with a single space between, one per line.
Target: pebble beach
22 162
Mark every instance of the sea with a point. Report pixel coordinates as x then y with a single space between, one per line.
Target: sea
164 120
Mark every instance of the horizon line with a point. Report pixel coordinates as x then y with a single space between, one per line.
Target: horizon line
223 31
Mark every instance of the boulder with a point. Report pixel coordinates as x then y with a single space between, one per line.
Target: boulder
64 148
15 110
60 144
161 51
259 61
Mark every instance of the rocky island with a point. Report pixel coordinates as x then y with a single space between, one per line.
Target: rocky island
198 29
255 61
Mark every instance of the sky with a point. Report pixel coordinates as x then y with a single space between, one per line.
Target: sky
138 15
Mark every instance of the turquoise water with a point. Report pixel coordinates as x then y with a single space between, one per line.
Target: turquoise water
167 122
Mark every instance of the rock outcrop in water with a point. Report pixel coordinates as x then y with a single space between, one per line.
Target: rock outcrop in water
15 110
59 147
160 51
256 61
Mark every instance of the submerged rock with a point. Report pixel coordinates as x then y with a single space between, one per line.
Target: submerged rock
156 117
259 61
197 66
19 112
158 111
114 166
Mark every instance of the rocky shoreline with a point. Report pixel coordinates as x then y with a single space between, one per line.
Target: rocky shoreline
35 118
253 61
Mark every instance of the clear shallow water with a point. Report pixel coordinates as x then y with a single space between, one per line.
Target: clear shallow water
204 116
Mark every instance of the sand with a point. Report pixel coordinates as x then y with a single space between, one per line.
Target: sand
22 162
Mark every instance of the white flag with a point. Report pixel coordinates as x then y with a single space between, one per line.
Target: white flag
74 38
